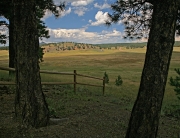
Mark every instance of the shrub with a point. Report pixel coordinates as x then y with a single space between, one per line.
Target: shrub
176 83
41 54
106 77
118 81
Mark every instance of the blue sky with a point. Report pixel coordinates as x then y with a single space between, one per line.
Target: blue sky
83 21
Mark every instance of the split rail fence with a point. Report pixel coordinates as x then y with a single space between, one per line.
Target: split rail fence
74 74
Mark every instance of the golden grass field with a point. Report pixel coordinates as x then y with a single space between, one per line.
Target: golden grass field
91 114
127 63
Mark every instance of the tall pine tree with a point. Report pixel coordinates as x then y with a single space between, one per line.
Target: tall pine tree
34 108
41 7
158 20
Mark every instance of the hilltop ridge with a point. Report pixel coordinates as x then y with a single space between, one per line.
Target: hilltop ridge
73 45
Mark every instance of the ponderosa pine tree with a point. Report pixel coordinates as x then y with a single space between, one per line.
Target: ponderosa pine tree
34 111
6 10
159 21
24 38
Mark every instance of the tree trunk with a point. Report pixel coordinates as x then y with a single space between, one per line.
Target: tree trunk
145 115
35 111
11 47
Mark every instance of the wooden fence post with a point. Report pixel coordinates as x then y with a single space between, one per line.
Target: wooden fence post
103 85
75 81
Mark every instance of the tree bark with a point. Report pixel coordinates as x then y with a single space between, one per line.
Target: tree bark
145 115
11 47
35 111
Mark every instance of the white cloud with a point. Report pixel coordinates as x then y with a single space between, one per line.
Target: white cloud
71 33
177 38
114 33
90 21
80 11
82 36
59 1
49 13
74 2
104 6
4 30
64 13
79 6
140 40
101 18
81 2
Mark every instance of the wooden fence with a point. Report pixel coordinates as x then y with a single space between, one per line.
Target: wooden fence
74 74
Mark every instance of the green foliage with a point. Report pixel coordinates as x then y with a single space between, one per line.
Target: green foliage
175 111
136 23
3 37
68 48
118 81
4 47
172 111
109 45
106 77
176 83
177 43
41 54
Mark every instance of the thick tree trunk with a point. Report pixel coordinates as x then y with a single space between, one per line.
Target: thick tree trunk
11 47
35 111
147 108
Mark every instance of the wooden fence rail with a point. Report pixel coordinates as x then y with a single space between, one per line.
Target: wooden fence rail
60 83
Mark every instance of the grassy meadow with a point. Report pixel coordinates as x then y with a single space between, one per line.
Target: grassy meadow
128 63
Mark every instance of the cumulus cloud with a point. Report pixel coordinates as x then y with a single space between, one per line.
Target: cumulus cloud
80 11
74 2
78 6
64 13
81 2
60 1
71 33
49 13
82 36
101 18
90 21
114 33
3 28
104 6
177 38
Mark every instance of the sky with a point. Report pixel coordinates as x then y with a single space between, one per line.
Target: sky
83 21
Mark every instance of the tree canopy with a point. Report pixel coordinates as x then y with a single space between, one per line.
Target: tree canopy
136 16
6 10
